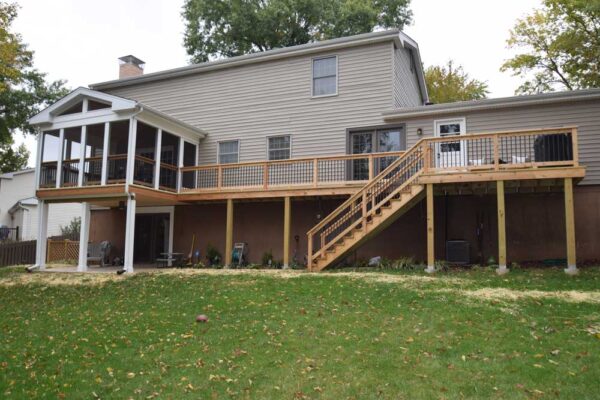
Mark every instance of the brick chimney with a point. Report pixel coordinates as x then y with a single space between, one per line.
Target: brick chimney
130 66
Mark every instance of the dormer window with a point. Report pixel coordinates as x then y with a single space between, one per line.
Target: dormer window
324 76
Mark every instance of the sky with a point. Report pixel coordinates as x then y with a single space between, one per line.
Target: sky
80 40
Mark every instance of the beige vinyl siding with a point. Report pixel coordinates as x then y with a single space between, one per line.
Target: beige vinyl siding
258 100
406 84
584 114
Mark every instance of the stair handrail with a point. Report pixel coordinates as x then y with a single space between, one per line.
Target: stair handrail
367 186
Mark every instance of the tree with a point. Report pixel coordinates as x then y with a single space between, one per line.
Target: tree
447 83
23 89
11 159
226 28
560 46
72 229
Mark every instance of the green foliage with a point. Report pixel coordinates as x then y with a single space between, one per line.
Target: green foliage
73 228
267 258
23 89
213 256
401 264
226 28
559 47
447 83
13 159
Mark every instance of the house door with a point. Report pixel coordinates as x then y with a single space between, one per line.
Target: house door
151 237
375 141
452 153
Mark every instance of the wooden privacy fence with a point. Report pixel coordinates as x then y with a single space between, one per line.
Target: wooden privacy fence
62 250
17 253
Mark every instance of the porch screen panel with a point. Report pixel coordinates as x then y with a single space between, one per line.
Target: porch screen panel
94 149
145 155
169 161
50 154
117 152
72 150
189 160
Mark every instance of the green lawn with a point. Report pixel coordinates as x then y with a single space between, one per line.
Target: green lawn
529 334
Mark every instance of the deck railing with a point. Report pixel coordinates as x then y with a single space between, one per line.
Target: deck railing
70 173
300 172
556 147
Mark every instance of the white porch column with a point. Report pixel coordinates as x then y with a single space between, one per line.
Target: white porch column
82 156
42 236
131 152
105 149
38 158
84 235
61 139
157 159
180 165
129 233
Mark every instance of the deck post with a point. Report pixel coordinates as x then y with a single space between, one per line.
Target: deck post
286 232
42 237
430 231
129 233
229 233
84 235
570 226
502 269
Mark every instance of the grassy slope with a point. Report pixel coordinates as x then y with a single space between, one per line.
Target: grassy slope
327 337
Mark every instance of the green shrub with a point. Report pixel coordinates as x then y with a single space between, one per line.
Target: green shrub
267 258
213 256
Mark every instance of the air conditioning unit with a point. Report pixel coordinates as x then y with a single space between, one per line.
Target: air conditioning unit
457 252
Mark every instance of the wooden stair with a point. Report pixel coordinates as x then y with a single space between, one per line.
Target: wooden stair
379 203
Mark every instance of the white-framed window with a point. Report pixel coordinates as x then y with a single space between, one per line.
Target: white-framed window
229 152
324 76
279 147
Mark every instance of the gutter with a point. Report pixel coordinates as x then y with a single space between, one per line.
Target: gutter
492 104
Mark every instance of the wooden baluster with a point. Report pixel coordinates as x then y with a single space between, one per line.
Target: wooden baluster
310 252
219 177
496 153
364 211
265 176
315 172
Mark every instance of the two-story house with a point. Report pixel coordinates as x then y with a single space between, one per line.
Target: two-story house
320 153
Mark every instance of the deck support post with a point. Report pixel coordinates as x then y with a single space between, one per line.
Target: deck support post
42 237
502 269
84 235
286 231
229 233
129 233
430 231
570 226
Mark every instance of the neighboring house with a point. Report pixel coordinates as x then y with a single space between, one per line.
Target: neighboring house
323 152
19 206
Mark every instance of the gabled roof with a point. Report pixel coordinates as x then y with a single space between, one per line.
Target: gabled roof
399 37
118 105
493 104
23 203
